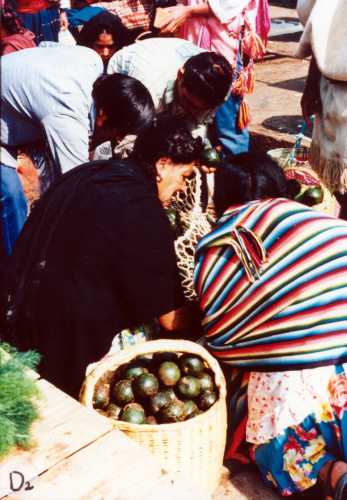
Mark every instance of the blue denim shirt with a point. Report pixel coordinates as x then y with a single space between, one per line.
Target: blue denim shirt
47 94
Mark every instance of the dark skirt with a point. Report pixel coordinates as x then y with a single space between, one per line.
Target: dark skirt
45 24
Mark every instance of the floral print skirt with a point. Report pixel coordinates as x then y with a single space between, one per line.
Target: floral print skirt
292 460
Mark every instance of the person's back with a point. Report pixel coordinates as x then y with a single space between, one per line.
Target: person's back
49 89
155 62
95 256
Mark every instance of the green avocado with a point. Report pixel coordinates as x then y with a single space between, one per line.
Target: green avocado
113 411
190 409
101 396
189 387
210 157
170 394
191 365
133 413
172 412
158 401
206 381
207 399
146 385
169 373
311 196
134 371
122 392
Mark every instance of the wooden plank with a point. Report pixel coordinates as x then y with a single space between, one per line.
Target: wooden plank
65 426
32 374
111 468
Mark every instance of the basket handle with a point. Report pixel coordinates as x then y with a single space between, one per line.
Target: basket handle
113 361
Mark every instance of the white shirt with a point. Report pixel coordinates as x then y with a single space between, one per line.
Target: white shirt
155 62
47 93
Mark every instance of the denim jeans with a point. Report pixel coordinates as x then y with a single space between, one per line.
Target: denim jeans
14 208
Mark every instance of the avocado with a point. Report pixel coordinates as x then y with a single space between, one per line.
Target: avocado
122 392
161 399
210 157
191 365
190 409
170 393
101 396
172 412
172 215
311 196
158 401
134 371
113 411
207 399
146 385
189 387
133 413
206 381
169 373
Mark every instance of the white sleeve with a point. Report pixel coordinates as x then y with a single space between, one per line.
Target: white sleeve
68 140
115 64
65 4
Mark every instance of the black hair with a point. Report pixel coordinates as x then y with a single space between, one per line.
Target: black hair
105 21
208 76
248 177
10 20
170 137
126 102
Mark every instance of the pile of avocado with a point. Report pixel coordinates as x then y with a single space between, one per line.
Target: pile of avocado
165 388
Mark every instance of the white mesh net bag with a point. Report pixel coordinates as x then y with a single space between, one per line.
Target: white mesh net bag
195 223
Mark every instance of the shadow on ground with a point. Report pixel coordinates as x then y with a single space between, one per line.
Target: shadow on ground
285 124
294 84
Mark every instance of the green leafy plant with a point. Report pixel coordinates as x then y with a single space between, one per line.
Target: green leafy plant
18 398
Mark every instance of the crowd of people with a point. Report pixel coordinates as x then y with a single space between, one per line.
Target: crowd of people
111 130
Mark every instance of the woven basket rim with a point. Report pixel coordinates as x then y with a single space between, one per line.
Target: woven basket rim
113 361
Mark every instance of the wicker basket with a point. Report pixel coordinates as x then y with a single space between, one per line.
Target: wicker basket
193 449
285 159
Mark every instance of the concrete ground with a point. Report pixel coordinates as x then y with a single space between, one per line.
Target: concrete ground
275 103
243 483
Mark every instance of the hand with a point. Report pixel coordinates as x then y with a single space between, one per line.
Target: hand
173 19
64 23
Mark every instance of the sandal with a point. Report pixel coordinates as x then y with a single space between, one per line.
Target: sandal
340 491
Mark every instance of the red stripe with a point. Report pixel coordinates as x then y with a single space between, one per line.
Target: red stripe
279 346
278 305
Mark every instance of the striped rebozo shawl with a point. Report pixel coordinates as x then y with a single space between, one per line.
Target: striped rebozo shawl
272 282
